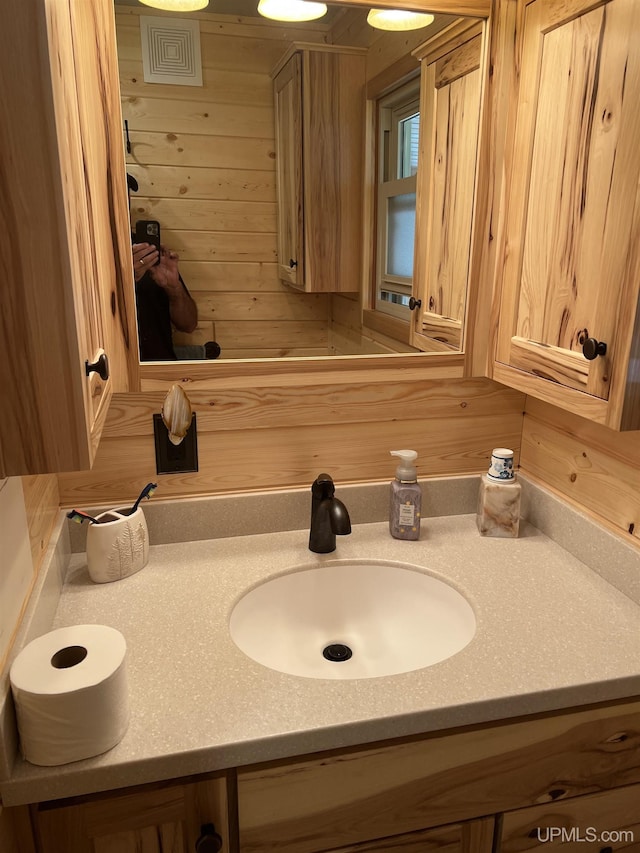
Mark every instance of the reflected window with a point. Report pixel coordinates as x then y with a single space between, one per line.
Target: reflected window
398 141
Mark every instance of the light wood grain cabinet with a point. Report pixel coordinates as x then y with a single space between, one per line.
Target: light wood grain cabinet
609 821
569 328
319 108
167 819
475 836
473 790
450 99
349 800
66 262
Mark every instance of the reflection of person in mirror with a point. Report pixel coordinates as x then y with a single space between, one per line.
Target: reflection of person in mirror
162 300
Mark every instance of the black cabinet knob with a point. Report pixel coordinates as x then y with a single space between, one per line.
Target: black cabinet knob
591 348
292 263
99 366
209 841
414 303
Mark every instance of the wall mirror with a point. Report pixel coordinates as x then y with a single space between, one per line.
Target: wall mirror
203 158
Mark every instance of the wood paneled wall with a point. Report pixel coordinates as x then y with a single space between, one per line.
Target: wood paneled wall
30 506
204 159
595 468
284 436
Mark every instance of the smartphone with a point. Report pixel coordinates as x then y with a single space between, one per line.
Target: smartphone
148 231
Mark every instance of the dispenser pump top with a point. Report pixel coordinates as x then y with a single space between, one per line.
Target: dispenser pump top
406 471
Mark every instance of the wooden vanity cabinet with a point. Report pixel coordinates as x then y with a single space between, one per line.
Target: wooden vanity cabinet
450 99
474 836
609 821
472 790
159 819
453 781
319 107
67 281
569 327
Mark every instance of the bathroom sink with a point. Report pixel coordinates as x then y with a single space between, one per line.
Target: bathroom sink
357 619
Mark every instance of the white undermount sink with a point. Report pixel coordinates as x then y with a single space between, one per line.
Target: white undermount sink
356 619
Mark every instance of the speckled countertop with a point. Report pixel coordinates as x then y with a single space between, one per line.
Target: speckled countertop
551 634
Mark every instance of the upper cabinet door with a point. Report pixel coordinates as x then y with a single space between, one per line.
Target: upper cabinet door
568 327
288 110
450 87
319 105
67 285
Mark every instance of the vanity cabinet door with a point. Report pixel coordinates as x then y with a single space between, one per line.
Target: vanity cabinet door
319 105
169 818
608 821
569 330
450 93
66 262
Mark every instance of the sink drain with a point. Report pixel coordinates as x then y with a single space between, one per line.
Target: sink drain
337 652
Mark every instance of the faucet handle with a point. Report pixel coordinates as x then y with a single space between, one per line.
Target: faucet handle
324 478
323 486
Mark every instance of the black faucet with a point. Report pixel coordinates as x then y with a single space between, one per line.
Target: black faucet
328 516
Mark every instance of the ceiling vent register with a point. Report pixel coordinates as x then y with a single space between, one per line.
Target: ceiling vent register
171 51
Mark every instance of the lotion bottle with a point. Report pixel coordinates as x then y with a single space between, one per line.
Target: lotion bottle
406 498
498 511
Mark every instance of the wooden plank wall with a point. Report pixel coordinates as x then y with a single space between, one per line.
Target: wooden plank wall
284 436
204 159
21 563
593 467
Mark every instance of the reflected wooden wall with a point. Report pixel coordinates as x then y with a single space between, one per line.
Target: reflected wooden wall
204 159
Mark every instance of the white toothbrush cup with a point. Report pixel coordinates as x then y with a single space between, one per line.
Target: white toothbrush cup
117 545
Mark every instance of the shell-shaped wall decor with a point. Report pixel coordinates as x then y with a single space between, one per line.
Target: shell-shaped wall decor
176 413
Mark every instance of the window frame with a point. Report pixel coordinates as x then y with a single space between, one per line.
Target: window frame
401 103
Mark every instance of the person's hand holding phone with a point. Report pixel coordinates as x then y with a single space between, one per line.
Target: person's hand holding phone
145 256
166 274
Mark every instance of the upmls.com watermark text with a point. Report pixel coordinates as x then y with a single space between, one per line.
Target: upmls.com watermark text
564 835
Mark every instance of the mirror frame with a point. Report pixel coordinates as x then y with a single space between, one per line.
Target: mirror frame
156 376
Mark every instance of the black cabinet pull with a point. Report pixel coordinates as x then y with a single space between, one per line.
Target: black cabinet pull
209 841
99 366
414 303
592 348
292 263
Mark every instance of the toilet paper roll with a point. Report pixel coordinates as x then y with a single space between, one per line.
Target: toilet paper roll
70 692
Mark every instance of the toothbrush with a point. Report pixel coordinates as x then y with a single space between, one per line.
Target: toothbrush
78 516
148 490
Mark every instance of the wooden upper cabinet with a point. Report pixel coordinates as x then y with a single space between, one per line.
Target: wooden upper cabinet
66 267
450 98
288 107
319 105
572 259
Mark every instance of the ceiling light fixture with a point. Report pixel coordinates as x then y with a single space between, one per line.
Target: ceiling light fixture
396 20
291 10
177 5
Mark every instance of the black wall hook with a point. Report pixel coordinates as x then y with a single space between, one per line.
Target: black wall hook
126 133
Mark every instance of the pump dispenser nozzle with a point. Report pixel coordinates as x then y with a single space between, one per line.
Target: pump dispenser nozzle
406 471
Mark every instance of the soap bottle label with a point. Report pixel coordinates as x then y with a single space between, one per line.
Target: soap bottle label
407 514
